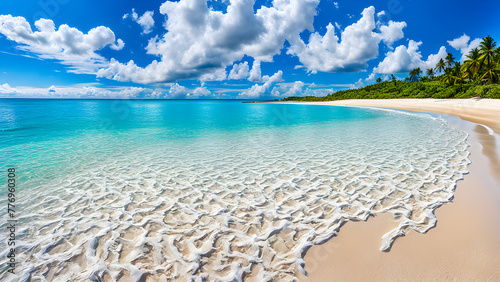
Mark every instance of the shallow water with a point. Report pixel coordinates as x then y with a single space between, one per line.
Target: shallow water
211 189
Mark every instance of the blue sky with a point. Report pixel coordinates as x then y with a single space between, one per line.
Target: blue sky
226 49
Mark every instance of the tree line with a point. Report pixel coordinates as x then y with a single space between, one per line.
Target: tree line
477 76
481 66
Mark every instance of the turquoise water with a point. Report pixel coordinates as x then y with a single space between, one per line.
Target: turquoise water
43 137
212 189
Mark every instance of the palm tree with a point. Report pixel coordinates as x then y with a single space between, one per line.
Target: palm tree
450 59
412 75
471 65
457 74
487 54
415 74
440 66
487 50
491 74
498 60
430 73
418 72
448 76
393 78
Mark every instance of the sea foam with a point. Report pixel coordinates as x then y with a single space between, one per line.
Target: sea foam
222 206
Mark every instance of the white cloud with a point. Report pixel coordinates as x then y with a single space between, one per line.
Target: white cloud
132 15
69 45
404 59
177 91
299 88
462 44
287 90
358 44
370 77
336 4
392 32
6 89
146 21
200 40
255 73
257 90
239 71
91 91
217 75
74 91
357 84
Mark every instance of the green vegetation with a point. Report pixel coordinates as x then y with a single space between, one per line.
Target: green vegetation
478 76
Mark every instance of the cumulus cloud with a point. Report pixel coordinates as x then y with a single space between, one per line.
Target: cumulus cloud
239 71
404 59
66 44
370 77
199 40
6 89
146 21
217 75
200 43
392 32
74 91
299 88
257 90
287 90
462 44
357 84
358 44
177 91
255 73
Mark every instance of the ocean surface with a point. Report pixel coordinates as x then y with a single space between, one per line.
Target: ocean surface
162 190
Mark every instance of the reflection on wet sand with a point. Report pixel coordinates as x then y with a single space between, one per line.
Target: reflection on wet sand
490 149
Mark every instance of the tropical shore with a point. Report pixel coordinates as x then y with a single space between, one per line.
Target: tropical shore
465 244
482 111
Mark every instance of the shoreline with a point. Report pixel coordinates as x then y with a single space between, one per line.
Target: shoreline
463 246
482 111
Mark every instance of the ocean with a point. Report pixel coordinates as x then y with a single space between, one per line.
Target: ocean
205 189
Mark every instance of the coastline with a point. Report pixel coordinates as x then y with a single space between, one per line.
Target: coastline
482 111
463 246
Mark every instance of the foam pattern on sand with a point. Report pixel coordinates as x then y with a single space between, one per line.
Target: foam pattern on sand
220 207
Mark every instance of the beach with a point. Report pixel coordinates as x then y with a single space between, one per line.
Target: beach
483 111
225 190
464 245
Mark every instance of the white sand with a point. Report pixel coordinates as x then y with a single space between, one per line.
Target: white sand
483 111
464 246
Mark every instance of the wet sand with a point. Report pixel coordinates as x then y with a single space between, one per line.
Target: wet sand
465 244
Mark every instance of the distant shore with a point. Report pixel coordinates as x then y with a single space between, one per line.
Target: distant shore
465 244
482 111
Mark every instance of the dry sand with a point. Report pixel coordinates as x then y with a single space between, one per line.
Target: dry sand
465 244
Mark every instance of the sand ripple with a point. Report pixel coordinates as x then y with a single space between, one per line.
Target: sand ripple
220 207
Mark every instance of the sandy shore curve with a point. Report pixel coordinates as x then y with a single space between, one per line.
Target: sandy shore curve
465 244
